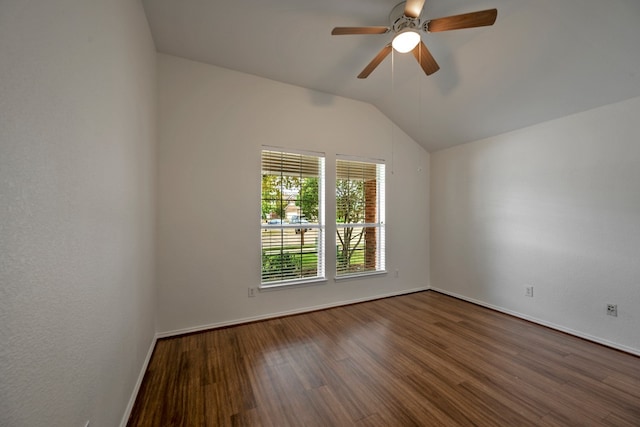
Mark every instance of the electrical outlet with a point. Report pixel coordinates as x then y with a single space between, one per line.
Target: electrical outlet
252 292
528 292
612 310
397 273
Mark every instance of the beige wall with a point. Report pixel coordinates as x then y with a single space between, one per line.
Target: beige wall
555 206
212 124
77 135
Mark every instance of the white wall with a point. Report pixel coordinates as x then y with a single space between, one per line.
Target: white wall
555 206
212 124
77 137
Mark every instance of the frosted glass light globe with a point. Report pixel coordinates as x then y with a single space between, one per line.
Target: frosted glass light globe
405 41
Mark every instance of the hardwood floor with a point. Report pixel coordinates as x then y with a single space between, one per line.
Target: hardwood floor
419 359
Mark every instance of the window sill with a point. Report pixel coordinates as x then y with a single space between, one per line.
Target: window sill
292 283
360 275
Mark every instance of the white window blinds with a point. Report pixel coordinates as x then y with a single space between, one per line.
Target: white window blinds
360 217
292 220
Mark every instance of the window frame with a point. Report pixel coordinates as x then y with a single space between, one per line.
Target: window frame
379 225
320 226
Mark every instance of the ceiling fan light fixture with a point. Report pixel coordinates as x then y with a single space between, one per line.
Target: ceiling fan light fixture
407 26
405 41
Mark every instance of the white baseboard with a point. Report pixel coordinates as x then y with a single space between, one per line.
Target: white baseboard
136 388
541 322
234 322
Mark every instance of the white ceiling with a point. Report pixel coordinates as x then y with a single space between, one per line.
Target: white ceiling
543 59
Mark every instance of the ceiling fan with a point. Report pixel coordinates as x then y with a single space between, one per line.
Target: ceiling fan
406 25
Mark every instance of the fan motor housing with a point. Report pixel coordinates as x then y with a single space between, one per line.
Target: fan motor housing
398 21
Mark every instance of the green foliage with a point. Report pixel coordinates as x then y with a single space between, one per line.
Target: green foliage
309 198
350 201
288 265
275 202
350 208
284 265
272 201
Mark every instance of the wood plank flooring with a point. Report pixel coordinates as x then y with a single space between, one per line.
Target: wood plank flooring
423 359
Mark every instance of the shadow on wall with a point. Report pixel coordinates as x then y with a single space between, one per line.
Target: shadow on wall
320 98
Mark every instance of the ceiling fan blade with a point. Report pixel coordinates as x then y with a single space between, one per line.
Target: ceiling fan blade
375 62
341 31
466 20
425 59
413 8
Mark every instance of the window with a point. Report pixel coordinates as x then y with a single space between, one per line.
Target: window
292 220
360 218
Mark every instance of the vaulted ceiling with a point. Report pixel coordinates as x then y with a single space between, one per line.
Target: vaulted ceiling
543 59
